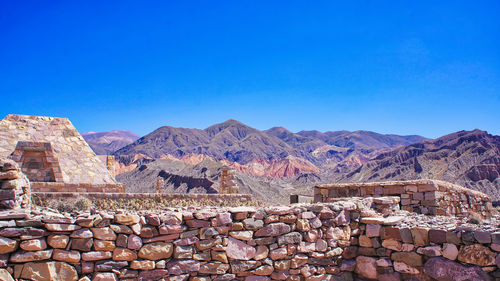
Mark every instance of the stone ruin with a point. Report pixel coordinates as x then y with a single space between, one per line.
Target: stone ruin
428 197
227 181
54 156
14 186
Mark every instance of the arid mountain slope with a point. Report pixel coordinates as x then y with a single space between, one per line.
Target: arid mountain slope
467 158
230 140
104 143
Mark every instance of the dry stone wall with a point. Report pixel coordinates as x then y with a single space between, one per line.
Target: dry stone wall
431 197
14 186
328 241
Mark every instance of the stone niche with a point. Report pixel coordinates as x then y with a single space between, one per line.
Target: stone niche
37 161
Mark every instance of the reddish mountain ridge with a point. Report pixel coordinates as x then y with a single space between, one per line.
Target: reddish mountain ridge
288 167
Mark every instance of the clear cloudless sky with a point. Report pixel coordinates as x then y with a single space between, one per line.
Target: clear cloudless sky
403 67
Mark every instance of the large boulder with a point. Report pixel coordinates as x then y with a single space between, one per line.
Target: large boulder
447 270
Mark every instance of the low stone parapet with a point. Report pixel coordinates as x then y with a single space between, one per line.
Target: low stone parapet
431 197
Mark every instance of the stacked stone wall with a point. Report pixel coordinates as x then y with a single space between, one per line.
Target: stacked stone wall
421 196
329 241
14 186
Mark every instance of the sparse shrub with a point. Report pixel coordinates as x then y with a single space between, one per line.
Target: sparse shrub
83 204
37 201
64 206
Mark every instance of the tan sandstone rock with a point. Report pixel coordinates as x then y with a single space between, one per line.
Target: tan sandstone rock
33 245
104 233
127 219
7 245
5 275
58 241
49 271
142 265
66 256
156 251
404 268
123 254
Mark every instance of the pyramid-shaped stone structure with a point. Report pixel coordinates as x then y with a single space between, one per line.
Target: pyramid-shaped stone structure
53 155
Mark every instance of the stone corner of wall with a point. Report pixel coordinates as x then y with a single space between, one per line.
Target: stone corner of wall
15 189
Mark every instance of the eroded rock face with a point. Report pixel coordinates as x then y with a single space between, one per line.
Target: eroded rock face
49 271
446 270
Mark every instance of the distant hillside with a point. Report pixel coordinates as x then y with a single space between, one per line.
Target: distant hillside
467 158
104 143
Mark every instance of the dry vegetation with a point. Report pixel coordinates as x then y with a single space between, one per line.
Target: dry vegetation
84 204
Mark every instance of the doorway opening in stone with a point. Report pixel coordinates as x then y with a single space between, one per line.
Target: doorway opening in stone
37 161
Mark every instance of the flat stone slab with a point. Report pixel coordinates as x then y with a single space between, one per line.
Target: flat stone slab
391 220
11 215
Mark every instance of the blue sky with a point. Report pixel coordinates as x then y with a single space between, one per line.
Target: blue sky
403 67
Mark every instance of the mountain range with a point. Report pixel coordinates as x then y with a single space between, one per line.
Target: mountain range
237 142
104 143
467 158
286 162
